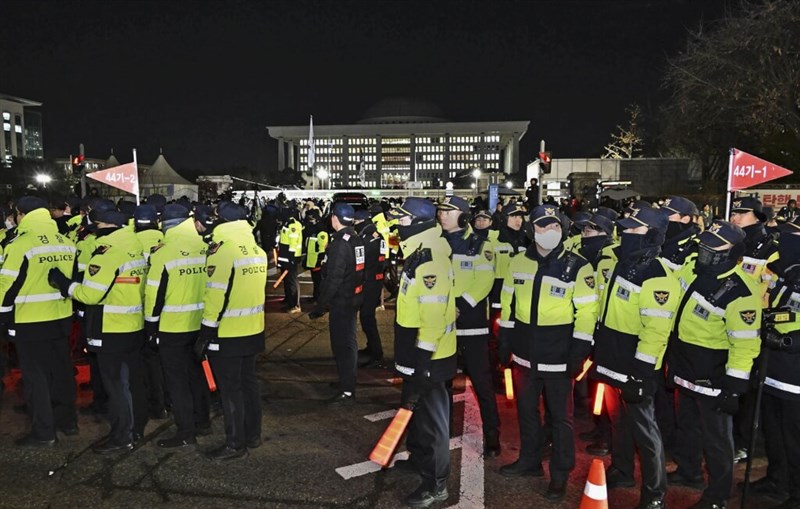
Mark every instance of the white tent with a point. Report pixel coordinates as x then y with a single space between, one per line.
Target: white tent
162 179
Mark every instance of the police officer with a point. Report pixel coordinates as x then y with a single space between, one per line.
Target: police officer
173 310
112 289
39 321
638 302
290 250
473 268
716 338
375 258
511 240
780 406
145 224
232 329
681 237
547 324
316 241
425 347
759 247
342 288
481 225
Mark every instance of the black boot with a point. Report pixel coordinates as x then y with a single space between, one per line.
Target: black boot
491 444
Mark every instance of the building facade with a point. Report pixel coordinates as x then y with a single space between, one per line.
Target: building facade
395 146
22 129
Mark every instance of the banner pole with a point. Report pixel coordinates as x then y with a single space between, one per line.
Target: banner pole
136 169
728 187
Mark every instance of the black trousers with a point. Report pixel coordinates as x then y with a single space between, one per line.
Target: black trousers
474 353
153 380
241 398
633 426
557 394
186 383
428 437
123 378
602 421
342 327
781 421
372 299
664 404
704 432
316 278
291 287
49 384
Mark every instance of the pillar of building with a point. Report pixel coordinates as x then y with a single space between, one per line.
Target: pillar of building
281 162
412 151
291 156
515 153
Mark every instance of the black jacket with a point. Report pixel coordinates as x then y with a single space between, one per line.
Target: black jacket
374 262
343 270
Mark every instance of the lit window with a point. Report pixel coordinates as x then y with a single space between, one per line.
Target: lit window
6 116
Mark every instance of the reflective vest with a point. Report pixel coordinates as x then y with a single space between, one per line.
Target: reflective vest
176 280
426 302
473 270
290 243
113 290
233 301
384 230
149 239
551 305
783 369
637 310
316 249
717 335
573 243
37 248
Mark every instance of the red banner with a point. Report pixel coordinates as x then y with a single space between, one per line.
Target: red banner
747 170
122 177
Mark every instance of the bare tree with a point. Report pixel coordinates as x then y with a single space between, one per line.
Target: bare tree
628 141
737 84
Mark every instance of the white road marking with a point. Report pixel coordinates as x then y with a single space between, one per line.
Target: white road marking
471 492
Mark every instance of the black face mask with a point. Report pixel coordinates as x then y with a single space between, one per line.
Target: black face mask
631 244
406 232
714 262
591 246
360 226
675 228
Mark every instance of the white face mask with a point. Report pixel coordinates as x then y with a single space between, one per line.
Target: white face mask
548 240
9 224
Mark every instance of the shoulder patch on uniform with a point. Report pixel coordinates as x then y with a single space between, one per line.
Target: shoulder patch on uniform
210 270
748 316
605 274
156 248
213 247
488 255
93 269
589 281
100 250
429 281
661 297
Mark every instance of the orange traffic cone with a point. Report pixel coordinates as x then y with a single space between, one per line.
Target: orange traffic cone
595 495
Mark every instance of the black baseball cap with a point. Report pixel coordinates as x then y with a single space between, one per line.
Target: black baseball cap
646 216
513 209
749 204
545 214
722 233
679 205
418 208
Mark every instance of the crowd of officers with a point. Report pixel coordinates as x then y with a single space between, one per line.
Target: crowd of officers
153 290
666 318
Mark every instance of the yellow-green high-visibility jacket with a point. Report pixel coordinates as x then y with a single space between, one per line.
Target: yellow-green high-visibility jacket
551 306
85 247
505 249
718 332
637 311
473 269
783 375
573 243
290 242
317 244
235 290
37 307
149 240
760 253
73 223
426 308
113 291
2 250
176 280
384 230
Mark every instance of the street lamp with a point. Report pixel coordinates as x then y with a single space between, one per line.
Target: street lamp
509 184
43 179
476 174
322 174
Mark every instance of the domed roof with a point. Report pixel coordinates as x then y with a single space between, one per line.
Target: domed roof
402 110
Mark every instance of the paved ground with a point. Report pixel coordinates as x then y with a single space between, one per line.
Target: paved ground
313 456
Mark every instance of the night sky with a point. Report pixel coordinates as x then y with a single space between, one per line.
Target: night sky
204 79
